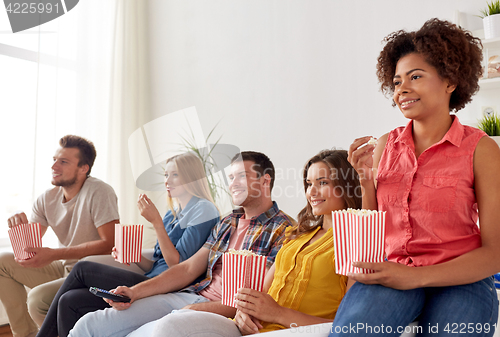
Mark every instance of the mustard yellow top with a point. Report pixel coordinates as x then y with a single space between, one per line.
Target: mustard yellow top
305 278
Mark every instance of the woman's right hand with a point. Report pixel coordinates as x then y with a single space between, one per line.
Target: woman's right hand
361 158
114 254
247 324
149 211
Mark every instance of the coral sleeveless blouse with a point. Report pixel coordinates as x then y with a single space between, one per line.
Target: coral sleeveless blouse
430 201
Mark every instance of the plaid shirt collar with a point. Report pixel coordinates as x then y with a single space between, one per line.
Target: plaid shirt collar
262 219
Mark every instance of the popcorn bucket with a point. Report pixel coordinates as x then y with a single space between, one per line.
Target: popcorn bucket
358 235
241 269
128 242
24 236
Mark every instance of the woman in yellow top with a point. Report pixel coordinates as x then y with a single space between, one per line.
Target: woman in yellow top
303 288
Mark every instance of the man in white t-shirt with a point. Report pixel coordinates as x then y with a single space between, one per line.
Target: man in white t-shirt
82 212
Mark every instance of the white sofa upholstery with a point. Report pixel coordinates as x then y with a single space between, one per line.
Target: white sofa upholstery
146 261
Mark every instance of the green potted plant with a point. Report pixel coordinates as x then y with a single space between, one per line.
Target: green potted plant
491 125
216 182
491 19
205 155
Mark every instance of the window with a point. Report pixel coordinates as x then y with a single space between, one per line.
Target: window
38 83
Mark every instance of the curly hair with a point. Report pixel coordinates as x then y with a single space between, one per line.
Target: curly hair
454 52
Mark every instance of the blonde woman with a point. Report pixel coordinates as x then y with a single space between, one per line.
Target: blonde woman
181 232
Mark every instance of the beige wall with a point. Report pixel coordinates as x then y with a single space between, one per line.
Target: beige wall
285 77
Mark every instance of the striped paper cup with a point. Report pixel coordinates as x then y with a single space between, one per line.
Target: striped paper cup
24 236
358 235
128 242
241 271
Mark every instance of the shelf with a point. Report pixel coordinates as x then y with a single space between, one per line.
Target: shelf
491 43
490 83
490 48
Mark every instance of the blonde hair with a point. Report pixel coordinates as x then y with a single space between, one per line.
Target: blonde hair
193 178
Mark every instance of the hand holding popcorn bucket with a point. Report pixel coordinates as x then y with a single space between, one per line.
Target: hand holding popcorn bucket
128 243
25 236
241 269
358 236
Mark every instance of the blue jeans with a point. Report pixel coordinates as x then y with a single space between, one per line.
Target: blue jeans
375 310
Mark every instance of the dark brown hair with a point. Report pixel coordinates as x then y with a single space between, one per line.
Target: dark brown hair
86 147
343 175
263 165
454 52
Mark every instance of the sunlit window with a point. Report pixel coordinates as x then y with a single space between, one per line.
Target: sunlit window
38 81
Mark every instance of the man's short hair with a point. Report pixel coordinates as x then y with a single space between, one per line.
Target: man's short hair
85 146
262 164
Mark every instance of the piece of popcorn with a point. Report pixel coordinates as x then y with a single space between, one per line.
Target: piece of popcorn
244 252
359 212
372 141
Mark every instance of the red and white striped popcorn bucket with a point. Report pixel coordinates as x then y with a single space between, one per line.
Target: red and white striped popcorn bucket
241 271
358 235
24 236
128 242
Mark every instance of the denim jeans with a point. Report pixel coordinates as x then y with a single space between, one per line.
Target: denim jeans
375 310
118 323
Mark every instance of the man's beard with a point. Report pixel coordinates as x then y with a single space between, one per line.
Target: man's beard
65 183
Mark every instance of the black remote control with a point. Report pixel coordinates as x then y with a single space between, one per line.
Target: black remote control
109 295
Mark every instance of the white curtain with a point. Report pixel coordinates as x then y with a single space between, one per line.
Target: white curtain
84 73
129 105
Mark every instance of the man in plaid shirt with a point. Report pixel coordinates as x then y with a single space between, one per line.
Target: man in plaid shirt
258 225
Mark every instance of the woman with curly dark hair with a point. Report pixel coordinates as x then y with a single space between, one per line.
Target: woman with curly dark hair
431 177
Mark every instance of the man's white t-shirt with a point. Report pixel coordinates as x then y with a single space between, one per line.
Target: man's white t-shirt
76 221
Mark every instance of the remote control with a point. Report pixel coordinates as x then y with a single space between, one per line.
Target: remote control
109 295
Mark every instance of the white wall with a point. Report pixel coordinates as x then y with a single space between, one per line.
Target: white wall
285 77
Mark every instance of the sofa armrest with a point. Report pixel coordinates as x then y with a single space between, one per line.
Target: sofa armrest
148 254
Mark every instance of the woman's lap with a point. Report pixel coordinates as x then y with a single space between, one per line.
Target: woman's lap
69 305
377 310
471 309
374 310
